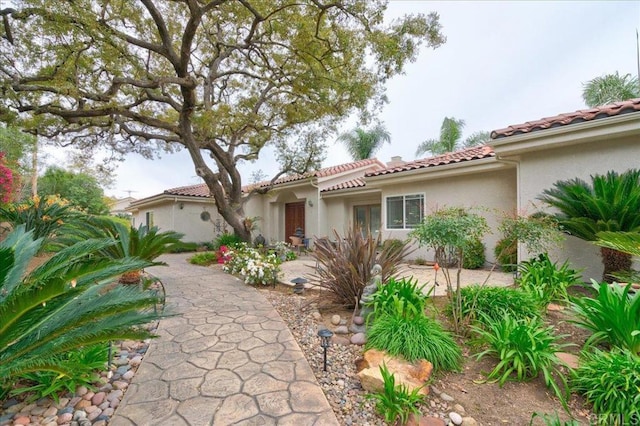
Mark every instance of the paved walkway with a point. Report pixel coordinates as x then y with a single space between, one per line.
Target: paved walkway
305 267
226 358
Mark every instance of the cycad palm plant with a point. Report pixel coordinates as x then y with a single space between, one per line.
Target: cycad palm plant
142 242
610 203
65 304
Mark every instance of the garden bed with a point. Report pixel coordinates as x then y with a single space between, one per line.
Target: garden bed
487 403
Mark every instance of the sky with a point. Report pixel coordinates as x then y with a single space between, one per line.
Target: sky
504 63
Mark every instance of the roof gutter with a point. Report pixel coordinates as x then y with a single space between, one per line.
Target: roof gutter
438 172
572 134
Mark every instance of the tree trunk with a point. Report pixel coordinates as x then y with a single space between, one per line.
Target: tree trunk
614 261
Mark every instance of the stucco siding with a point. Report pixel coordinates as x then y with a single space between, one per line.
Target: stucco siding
183 217
490 194
540 170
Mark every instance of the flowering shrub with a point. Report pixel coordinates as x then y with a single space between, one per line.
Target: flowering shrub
257 269
223 254
6 181
283 251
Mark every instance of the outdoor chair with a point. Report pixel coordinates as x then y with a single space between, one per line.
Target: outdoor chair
296 242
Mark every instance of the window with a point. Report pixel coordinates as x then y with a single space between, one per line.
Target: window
405 211
149 220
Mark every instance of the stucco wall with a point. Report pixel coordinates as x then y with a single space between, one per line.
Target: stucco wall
169 216
490 193
539 171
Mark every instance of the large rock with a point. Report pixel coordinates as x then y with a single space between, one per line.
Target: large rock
412 375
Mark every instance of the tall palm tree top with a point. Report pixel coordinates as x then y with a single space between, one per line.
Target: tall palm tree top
610 88
362 144
450 138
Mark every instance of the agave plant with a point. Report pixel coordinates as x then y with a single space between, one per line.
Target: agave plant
65 304
143 243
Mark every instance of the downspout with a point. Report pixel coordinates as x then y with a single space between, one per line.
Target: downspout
173 213
518 195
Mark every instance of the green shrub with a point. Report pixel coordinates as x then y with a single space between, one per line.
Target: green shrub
415 338
524 348
395 401
204 258
344 265
506 251
553 420
545 280
182 247
613 316
611 382
46 217
420 261
402 298
84 364
480 302
227 239
474 257
67 303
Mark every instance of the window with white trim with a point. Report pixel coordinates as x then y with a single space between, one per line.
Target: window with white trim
405 211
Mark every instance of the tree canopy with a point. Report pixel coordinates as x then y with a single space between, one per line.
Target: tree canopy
79 189
220 78
610 88
450 138
362 144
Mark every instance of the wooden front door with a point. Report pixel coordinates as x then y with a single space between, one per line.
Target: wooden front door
293 219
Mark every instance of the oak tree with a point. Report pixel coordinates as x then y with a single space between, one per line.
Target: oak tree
220 78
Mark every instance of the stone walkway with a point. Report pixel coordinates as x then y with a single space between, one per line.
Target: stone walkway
225 358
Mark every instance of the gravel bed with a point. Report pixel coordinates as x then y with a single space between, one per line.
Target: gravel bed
340 382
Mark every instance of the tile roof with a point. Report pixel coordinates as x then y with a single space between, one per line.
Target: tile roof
328 171
199 190
474 153
618 108
354 183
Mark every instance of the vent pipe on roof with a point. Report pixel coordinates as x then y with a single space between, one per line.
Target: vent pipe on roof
396 161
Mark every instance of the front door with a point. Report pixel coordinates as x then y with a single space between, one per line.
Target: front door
293 219
368 218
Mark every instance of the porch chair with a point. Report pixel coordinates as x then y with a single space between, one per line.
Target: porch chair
296 242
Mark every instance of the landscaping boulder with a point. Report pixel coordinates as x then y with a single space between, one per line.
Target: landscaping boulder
412 375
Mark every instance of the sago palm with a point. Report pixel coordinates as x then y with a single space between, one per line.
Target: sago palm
67 303
610 203
362 144
142 242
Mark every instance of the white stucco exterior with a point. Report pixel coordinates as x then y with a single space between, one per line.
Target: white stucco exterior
181 214
576 151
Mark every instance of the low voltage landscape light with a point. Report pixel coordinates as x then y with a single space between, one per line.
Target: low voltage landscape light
299 283
325 342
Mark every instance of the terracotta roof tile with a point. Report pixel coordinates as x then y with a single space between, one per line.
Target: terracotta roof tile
199 190
474 153
618 108
327 171
354 183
